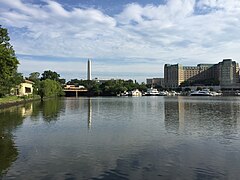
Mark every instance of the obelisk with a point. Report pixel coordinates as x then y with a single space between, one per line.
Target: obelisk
89 70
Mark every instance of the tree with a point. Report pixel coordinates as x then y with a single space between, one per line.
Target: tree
50 75
50 88
62 81
8 62
35 77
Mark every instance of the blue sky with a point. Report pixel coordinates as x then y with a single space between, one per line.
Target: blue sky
125 39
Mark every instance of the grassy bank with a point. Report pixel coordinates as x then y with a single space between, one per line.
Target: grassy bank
10 99
15 100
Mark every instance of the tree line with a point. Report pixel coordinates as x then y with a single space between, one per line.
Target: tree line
110 87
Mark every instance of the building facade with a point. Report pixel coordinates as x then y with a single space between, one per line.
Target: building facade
229 72
225 72
25 88
173 75
155 82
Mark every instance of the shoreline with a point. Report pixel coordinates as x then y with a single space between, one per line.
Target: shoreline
18 102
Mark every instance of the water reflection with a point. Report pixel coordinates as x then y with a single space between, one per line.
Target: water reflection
130 138
204 116
51 109
11 119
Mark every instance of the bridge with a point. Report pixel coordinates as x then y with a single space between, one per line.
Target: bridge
71 90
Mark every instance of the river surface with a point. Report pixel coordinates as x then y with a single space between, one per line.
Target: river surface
122 138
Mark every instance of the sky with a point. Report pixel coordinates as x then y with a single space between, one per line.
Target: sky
123 38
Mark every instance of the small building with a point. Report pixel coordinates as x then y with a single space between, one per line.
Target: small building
25 88
136 92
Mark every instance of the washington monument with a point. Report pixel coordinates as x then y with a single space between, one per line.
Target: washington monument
89 70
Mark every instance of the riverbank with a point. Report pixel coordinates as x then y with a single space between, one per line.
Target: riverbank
15 100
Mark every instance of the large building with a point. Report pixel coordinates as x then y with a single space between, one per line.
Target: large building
173 75
229 73
225 72
155 82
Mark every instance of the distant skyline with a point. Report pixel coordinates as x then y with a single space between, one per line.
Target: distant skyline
124 39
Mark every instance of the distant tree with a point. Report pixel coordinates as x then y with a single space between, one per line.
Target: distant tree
8 62
62 81
34 76
142 87
75 82
50 75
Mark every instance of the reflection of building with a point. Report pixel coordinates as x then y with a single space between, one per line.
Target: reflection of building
89 113
25 88
174 115
225 72
156 82
191 116
27 110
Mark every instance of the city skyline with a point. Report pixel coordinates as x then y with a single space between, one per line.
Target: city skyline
127 39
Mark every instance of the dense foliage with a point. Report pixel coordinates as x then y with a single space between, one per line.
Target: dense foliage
9 77
48 85
49 88
109 87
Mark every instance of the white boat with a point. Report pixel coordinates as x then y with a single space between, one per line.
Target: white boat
163 93
204 92
152 92
214 93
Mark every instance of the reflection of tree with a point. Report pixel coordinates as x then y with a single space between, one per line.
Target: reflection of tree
10 119
8 153
36 106
52 109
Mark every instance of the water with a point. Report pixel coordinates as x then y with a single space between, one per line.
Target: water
122 138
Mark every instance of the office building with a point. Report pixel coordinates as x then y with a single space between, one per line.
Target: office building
225 72
155 82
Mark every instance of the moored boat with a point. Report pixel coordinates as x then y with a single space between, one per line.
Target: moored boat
204 92
152 92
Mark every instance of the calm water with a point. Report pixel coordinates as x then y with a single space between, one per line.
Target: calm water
122 138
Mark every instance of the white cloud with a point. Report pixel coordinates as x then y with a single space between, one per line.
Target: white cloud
229 5
203 31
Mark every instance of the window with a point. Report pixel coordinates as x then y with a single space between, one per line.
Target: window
27 90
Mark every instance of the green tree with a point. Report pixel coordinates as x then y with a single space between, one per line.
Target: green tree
8 62
50 88
142 87
50 75
35 77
